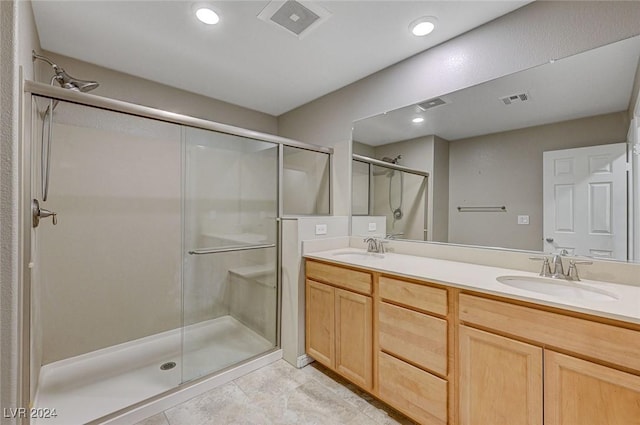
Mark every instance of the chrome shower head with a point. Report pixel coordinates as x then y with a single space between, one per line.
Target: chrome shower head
65 80
395 160
68 82
392 160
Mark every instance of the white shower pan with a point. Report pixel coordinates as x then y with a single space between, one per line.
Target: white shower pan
92 385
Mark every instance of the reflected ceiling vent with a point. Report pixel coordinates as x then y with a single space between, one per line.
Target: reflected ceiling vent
515 98
297 18
432 103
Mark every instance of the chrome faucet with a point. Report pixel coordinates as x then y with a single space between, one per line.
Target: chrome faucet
372 244
557 272
554 269
375 245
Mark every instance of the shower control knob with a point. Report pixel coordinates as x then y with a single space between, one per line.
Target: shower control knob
39 213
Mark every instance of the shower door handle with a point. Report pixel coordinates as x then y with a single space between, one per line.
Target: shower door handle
39 213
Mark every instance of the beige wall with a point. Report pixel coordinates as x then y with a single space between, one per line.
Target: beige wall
365 150
439 186
110 269
8 208
17 37
305 185
506 169
129 88
527 37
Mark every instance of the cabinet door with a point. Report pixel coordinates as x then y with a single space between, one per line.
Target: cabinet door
580 392
354 346
320 326
500 380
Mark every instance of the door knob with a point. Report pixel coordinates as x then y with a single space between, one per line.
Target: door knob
40 213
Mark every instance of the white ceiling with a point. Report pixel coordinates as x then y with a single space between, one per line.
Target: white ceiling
596 82
244 60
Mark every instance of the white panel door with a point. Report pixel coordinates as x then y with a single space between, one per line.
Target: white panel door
585 201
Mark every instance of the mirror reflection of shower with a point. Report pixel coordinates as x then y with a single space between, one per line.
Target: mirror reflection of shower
395 211
66 81
389 198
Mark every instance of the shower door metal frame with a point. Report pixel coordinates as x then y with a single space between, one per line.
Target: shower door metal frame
30 89
57 93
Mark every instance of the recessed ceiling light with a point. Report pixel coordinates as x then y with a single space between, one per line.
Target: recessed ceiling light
207 16
417 120
422 26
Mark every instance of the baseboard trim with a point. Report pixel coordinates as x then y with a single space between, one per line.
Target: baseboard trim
303 360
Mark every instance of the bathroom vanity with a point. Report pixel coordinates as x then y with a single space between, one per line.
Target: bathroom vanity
447 343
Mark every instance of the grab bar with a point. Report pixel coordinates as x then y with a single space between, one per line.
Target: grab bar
230 249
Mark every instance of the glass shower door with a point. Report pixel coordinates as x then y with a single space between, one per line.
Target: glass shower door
106 292
230 245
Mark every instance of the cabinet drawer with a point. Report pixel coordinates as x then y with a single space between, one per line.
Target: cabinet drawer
413 336
414 295
596 340
339 276
412 391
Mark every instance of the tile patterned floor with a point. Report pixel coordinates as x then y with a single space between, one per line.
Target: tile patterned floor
281 394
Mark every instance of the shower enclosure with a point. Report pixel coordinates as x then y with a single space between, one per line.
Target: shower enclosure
162 267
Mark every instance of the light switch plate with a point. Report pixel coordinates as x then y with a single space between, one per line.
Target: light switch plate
321 229
372 227
523 219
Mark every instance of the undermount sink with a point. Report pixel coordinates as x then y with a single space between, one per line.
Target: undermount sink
358 255
557 287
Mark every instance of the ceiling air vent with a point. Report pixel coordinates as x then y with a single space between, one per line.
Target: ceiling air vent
516 98
432 103
297 18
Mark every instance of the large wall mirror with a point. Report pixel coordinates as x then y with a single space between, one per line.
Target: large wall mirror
541 160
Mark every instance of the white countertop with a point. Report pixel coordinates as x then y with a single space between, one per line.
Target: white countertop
483 279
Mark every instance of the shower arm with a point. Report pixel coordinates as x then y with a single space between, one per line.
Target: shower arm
55 67
35 56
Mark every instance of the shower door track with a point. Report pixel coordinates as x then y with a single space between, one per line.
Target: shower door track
58 93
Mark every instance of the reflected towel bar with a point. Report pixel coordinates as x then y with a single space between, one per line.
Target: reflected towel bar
483 209
230 249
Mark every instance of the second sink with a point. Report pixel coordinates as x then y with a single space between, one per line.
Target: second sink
557 287
358 255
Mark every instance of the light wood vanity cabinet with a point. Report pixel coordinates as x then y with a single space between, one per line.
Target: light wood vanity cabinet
339 321
501 379
445 356
387 335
